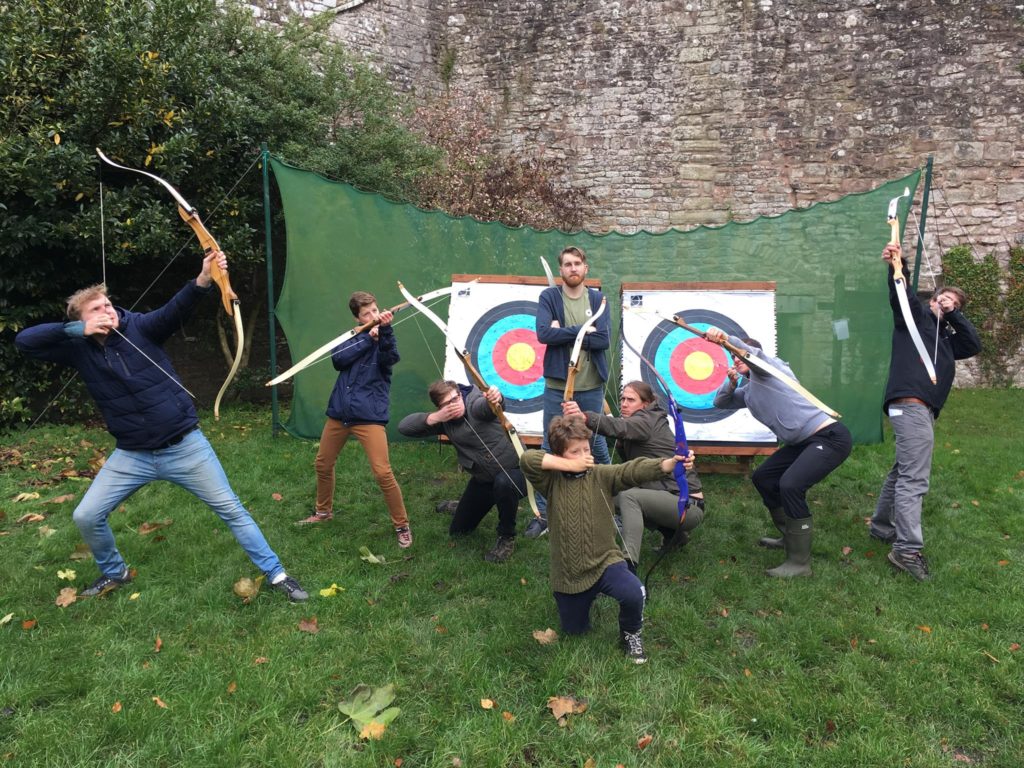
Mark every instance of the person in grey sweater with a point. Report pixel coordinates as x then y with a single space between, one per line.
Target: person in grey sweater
464 415
813 445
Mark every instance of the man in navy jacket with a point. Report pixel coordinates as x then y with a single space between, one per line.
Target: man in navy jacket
120 357
561 311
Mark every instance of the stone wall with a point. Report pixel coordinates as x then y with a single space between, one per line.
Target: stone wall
674 113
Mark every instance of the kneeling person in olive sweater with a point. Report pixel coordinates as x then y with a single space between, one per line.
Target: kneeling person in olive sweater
585 560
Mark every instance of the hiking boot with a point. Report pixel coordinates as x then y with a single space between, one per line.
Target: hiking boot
633 645
797 542
447 507
537 528
779 518
292 590
890 539
316 517
404 537
911 562
105 584
502 551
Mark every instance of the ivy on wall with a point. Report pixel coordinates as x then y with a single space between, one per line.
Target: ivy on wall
995 304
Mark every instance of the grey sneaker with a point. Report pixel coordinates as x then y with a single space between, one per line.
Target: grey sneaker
537 528
502 551
911 562
105 584
633 645
292 590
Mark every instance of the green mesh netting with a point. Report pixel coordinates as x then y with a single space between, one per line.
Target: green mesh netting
833 318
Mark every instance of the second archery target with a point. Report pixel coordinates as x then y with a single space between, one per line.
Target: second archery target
695 368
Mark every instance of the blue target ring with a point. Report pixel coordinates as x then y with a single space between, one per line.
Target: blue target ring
503 346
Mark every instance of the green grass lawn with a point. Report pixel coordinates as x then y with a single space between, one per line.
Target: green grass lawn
856 666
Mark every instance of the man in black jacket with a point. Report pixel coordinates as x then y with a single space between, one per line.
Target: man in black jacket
120 357
912 403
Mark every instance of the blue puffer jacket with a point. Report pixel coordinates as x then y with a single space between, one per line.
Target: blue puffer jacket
141 406
362 393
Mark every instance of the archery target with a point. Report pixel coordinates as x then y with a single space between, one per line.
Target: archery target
693 368
503 346
498 321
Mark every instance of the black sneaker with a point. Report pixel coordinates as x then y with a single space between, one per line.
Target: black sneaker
292 589
502 551
633 645
105 584
537 528
911 562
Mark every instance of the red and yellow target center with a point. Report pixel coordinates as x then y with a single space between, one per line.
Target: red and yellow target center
520 356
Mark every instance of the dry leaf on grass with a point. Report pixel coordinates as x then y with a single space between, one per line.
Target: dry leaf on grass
247 588
373 730
60 499
67 596
563 706
29 624
159 644
545 636
487 703
31 517
116 708
644 741
6 619
232 686
309 625
159 702
25 496
508 716
66 575
261 660
147 528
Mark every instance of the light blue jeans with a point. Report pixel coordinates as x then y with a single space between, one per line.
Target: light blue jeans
194 466
590 400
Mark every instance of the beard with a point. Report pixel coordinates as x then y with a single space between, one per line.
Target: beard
573 280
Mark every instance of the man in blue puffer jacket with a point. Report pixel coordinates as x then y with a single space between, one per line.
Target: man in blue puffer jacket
120 357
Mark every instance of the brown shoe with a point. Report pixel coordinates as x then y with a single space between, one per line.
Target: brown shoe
316 517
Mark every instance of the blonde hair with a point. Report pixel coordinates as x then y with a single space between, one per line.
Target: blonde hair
80 298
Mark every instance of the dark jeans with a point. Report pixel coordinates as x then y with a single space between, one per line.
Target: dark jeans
478 498
784 479
619 583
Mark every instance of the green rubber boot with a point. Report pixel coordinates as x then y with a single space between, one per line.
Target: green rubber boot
797 541
779 518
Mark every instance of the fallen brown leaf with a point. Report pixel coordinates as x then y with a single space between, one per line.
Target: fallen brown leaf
1014 647
309 625
158 644
590 763
508 716
1003 562
923 628
67 596
486 703
847 550
60 499
147 528
159 702
261 660
116 708
373 730
28 624
545 636
31 517
644 741
563 706
232 686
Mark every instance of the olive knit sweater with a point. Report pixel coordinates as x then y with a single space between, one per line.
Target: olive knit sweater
580 516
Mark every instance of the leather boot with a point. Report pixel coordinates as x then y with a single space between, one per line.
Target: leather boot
797 541
779 518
